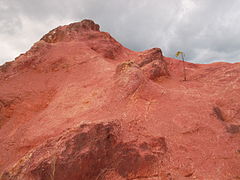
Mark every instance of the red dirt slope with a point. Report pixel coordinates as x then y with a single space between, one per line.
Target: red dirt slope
80 106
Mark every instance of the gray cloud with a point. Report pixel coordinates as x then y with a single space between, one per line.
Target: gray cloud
205 30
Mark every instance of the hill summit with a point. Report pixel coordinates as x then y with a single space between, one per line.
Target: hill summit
80 106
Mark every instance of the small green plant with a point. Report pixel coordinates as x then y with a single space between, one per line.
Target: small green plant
184 69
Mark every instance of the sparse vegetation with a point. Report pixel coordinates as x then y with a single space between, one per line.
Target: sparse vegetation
184 69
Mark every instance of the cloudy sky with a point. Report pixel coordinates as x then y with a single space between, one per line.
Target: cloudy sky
206 30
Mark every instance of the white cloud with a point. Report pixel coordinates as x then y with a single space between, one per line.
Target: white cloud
205 30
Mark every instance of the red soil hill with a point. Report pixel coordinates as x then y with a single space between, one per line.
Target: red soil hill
80 106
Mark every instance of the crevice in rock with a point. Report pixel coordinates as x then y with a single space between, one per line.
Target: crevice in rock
218 113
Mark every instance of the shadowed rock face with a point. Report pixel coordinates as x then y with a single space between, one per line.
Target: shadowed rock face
79 105
89 152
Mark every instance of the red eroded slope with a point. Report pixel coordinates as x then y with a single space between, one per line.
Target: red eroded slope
79 105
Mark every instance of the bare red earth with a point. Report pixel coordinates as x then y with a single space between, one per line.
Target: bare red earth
80 106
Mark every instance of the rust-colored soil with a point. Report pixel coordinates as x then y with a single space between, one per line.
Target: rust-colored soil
80 106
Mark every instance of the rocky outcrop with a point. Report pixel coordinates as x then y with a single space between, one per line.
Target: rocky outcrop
77 152
152 63
67 32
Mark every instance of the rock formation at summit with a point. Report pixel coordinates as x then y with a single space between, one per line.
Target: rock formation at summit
80 106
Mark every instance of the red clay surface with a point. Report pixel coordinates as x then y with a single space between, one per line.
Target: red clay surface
80 106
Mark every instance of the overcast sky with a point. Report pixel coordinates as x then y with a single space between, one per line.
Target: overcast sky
206 30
